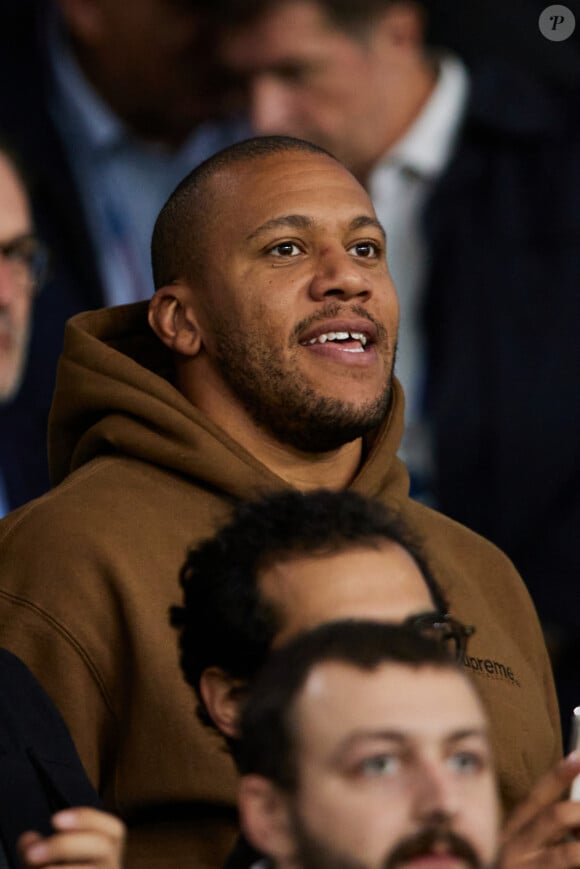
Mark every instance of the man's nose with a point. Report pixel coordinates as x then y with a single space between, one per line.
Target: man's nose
338 274
271 106
436 793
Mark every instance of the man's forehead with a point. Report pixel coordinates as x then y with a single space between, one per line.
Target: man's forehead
285 165
275 185
340 698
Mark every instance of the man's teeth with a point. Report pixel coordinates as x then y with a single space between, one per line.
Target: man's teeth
340 336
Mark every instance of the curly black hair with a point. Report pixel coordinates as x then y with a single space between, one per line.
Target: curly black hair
224 622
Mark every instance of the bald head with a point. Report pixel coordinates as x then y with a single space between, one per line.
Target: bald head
178 243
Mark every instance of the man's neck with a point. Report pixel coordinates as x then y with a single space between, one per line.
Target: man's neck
305 471
333 469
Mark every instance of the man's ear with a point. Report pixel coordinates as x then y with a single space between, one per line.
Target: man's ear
222 695
265 819
173 319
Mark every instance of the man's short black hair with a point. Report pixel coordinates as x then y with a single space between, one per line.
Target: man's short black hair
178 246
268 738
224 622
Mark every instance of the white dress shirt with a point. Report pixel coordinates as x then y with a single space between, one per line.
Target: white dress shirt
399 186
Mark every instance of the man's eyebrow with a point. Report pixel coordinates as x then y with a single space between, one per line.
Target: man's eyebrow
293 221
301 221
364 221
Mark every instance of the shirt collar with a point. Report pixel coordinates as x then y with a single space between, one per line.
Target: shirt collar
427 145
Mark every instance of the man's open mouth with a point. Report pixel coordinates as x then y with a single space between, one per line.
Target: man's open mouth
352 342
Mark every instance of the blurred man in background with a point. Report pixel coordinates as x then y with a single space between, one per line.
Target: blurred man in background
22 265
110 105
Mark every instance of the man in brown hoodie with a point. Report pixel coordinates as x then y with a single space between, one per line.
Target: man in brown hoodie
269 366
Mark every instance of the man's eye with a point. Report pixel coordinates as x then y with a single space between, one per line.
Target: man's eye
292 73
285 248
17 253
366 249
380 764
467 762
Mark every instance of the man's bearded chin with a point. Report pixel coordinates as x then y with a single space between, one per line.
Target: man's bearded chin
285 405
314 854
315 424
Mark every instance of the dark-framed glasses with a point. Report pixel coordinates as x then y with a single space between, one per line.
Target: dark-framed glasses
442 627
27 259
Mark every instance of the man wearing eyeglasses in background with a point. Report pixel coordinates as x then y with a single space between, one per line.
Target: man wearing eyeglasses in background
22 265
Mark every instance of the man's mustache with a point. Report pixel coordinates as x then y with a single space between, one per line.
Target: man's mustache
335 310
432 840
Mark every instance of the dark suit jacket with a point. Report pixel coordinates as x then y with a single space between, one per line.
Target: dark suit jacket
40 771
502 319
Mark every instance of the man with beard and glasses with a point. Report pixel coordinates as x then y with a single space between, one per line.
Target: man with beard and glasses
267 365
364 746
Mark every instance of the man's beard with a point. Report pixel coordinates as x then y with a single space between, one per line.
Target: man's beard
314 854
283 402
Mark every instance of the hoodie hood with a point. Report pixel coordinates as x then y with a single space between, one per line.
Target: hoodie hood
114 395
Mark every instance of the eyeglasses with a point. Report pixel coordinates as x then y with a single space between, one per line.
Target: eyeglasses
450 632
27 259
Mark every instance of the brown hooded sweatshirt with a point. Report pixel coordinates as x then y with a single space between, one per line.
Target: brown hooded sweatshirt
88 572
